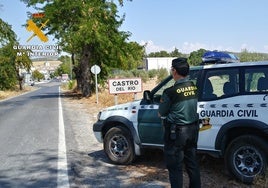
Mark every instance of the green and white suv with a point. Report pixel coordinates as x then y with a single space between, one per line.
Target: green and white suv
233 112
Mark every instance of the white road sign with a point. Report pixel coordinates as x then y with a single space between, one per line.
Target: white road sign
95 69
125 85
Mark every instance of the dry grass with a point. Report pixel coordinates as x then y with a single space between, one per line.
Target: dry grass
16 92
105 99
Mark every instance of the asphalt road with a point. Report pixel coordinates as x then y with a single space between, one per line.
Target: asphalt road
29 137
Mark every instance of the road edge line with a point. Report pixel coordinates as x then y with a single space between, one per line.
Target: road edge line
62 174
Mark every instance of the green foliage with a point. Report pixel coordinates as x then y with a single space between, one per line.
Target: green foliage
162 74
195 57
7 35
37 75
159 54
8 79
65 67
245 56
152 73
130 74
141 74
174 53
71 84
10 61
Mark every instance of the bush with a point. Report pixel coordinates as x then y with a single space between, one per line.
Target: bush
152 73
141 74
71 84
162 74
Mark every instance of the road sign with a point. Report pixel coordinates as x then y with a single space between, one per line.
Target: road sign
125 85
95 69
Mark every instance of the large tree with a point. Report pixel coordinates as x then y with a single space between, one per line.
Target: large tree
89 30
10 62
195 57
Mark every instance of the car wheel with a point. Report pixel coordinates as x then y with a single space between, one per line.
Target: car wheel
118 145
246 157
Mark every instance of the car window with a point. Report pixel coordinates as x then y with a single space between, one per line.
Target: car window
159 93
193 75
256 79
220 83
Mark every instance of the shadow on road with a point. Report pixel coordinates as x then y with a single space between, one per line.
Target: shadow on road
38 169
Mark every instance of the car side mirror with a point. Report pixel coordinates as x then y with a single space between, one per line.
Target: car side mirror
147 96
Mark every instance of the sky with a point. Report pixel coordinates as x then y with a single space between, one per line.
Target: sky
188 25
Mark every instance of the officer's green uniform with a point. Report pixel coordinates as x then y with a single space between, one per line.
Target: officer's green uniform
179 106
178 103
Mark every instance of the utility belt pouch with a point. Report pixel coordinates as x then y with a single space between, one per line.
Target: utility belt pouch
173 131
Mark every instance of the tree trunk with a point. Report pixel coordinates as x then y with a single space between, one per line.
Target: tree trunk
20 79
76 70
21 83
85 73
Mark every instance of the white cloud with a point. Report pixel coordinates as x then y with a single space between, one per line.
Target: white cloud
151 47
265 47
185 48
253 49
188 47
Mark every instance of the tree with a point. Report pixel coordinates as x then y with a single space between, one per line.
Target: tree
7 35
89 31
38 75
10 61
161 53
64 67
195 57
21 62
245 55
176 53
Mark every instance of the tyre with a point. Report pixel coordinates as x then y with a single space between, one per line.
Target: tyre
118 145
246 157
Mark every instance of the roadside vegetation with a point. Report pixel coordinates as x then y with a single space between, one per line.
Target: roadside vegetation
149 80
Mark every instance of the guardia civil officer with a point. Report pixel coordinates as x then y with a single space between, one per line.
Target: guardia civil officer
178 109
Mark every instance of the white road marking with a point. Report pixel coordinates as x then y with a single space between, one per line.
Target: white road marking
62 178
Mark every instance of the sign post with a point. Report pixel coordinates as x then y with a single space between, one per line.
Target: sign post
125 85
95 69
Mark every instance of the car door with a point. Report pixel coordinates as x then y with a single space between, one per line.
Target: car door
149 124
219 92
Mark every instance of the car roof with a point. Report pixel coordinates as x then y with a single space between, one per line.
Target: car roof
226 65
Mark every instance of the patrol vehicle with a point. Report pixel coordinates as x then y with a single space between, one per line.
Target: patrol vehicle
232 108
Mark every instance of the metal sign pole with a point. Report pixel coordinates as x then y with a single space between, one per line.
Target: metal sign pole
96 86
95 69
115 99
135 96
